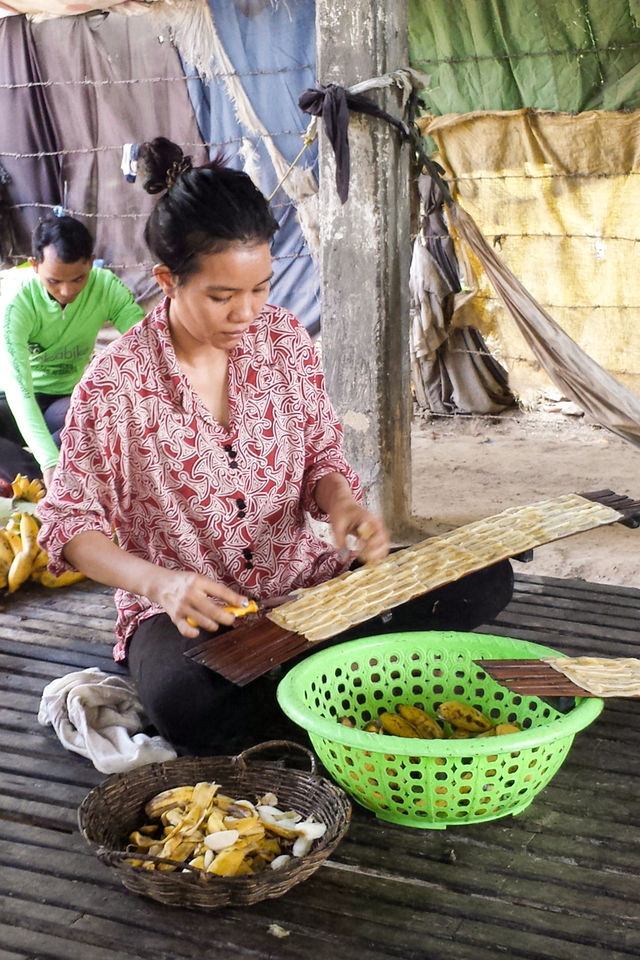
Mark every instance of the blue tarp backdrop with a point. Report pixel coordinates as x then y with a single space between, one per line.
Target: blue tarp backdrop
273 55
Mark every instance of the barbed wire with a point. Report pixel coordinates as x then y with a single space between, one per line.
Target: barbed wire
426 414
530 54
105 216
564 236
87 82
579 174
508 358
149 264
79 213
566 306
41 154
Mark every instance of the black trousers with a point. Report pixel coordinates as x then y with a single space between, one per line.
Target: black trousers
13 457
201 713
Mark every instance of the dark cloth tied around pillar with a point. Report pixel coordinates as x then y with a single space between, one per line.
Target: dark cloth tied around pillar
332 103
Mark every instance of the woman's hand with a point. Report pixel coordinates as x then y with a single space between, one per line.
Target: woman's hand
351 519
193 600
347 517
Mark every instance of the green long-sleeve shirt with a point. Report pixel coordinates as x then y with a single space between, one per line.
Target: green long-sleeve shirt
44 348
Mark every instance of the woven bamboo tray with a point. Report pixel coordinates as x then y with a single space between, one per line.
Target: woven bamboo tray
112 810
328 609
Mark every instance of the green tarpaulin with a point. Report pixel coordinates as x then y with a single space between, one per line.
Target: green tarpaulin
564 55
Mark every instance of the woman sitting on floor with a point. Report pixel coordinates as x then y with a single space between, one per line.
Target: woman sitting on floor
203 437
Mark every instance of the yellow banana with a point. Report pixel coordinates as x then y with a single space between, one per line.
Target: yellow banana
19 570
503 728
176 796
346 721
13 539
396 726
6 559
64 580
25 489
463 716
426 726
29 528
19 485
35 491
6 553
40 562
373 727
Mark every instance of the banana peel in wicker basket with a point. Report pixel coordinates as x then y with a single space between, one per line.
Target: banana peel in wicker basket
21 558
202 829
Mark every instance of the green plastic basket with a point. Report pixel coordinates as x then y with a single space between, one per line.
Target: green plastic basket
430 783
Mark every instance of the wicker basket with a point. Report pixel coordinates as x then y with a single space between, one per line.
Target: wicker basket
112 810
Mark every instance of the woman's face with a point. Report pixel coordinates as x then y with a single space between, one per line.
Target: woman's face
219 302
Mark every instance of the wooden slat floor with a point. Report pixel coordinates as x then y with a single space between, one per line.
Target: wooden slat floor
561 880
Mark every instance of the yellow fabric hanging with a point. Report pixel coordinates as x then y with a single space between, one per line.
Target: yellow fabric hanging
558 198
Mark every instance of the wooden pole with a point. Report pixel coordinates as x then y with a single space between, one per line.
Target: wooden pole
365 255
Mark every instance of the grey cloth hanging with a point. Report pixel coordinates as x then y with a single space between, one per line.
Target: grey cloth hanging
452 369
26 127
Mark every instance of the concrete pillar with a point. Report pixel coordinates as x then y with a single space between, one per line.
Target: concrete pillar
365 254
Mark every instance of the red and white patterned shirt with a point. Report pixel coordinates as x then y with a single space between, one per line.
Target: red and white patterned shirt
143 457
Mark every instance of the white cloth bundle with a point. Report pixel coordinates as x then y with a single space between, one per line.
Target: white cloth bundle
100 717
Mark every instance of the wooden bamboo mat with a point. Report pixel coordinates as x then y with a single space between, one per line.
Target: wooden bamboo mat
560 881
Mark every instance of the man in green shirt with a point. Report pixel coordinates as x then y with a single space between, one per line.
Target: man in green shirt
50 318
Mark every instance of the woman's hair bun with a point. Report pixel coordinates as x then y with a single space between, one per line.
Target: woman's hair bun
161 161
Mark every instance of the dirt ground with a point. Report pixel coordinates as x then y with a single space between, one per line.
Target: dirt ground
466 468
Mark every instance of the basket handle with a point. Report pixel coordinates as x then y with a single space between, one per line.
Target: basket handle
289 746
